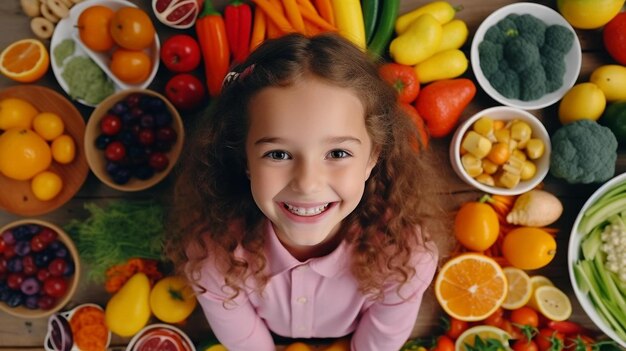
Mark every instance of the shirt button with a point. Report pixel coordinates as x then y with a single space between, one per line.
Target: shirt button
301 300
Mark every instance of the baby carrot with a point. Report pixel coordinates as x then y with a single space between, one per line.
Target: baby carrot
316 19
294 15
258 29
325 9
275 15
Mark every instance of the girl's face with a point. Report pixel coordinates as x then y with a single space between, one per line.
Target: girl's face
309 155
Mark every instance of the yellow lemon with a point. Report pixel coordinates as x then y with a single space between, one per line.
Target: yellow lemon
46 185
540 280
48 125
23 154
611 79
582 101
551 302
589 14
63 149
16 113
519 288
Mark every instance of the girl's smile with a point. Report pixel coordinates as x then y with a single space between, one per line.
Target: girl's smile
309 155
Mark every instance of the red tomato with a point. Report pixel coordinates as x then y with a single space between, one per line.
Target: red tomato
614 37
525 345
185 91
57 267
444 343
566 327
403 79
456 327
580 342
110 124
55 286
180 53
115 151
496 318
419 123
525 316
549 340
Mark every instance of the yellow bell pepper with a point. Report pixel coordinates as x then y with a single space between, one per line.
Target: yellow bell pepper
447 64
454 35
442 11
349 21
420 41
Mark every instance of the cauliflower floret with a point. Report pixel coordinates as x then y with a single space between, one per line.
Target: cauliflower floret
614 245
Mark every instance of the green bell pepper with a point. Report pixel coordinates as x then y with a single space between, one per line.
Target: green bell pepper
614 117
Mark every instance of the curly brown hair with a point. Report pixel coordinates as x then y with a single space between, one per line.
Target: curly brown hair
212 191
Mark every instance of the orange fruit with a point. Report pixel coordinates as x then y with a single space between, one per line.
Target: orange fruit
93 28
46 185
63 149
23 154
131 28
476 226
48 125
16 113
130 66
25 60
298 346
470 286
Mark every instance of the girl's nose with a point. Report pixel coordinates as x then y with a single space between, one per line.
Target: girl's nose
307 177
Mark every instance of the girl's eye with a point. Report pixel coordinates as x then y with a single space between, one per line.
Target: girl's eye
338 154
277 155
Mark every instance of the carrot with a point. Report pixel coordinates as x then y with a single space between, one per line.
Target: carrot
316 19
307 4
89 329
258 29
294 15
211 32
311 29
275 15
325 9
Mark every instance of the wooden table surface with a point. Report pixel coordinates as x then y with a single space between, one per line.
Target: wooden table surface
29 334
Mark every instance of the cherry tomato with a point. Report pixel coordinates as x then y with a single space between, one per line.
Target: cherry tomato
566 327
509 327
579 342
180 53
456 327
403 79
146 136
496 318
130 66
525 345
43 274
115 151
55 286
549 340
14 280
158 161
57 267
37 244
47 235
131 28
444 343
110 124
525 316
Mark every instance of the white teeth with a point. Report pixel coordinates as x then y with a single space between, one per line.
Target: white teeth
302 211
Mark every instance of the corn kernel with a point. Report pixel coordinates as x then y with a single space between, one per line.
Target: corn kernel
507 180
503 135
483 126
535 148
472 165
476 144
518 154
520 131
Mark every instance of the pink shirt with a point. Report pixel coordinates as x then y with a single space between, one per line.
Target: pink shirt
315 298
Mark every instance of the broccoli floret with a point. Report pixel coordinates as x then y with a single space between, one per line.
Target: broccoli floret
583 152
531 28
533 52
533 86
521 54
553 63
559 38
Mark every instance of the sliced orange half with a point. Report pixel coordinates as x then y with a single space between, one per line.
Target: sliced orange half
25 60
471 286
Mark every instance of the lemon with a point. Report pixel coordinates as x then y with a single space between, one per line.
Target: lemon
539 280
46 185
484 332
16 113
551 302
519 288
63 149
611 79
582 101
48 125
589 14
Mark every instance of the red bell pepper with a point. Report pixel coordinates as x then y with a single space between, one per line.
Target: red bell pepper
211 32
238 18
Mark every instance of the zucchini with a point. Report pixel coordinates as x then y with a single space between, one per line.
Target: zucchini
384 27
370 15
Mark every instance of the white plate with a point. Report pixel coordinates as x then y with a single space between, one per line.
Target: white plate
66 29
549 16
573 255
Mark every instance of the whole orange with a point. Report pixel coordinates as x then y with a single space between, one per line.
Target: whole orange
132 28
476 226
93 28
23 154
130 66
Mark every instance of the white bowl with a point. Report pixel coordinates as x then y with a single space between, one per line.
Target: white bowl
68 317
66 28
189 344
574 253
549 16
503 113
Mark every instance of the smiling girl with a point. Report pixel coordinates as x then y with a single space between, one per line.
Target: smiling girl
301 209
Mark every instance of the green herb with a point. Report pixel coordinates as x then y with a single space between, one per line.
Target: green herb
113 234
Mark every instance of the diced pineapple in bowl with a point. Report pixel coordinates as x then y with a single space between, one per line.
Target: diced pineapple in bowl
501 150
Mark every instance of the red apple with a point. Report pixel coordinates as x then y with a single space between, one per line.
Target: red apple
185 91
180 53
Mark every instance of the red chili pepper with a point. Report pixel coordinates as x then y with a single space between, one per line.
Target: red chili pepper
238 18
211 32
566 327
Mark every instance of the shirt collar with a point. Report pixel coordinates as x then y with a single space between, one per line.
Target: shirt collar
280 260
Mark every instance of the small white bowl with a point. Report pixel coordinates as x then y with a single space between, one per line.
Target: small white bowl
574 254
549 16
188 344
503 113
67 315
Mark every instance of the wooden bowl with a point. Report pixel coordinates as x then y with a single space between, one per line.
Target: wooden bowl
22 311
95 156
16 196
